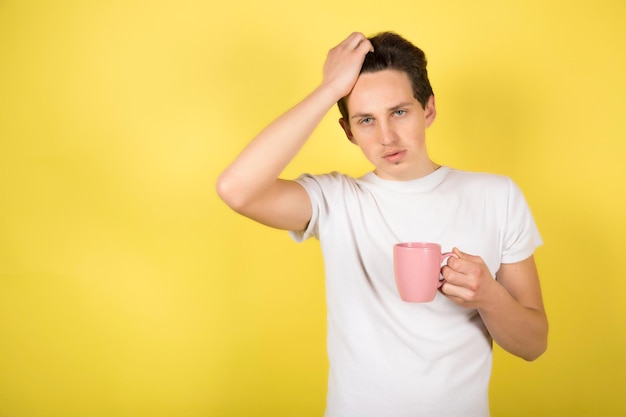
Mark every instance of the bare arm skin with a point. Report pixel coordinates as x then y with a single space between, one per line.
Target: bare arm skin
251 184
511 306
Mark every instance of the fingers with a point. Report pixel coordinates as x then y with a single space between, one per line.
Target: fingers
458 270
458 294
343 63
466 278
458 286
355 39
358 40
464 262
463 255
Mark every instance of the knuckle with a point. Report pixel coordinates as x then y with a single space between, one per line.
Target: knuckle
475 270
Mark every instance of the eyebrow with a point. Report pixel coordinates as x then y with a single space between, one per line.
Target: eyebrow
391 109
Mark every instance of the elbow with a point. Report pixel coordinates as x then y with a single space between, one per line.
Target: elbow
539 350
227 189
540 346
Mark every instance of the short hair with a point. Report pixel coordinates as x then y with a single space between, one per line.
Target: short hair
392 51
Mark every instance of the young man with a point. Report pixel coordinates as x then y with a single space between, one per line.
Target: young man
388 357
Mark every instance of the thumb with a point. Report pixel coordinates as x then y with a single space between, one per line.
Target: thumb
461 254
466 256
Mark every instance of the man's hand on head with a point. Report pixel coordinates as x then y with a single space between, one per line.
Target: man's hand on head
344 62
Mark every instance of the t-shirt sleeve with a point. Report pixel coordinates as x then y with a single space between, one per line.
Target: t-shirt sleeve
313 188
521 236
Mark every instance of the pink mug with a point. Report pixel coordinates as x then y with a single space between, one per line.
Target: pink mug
417 267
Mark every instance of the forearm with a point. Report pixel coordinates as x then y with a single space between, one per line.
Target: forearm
254 173
258 166
520 330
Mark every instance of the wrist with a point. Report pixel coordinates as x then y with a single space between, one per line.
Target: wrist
329 93
493 298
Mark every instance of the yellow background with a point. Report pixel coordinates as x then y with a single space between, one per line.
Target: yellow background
127 288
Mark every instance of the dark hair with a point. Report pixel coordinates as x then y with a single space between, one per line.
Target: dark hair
392 51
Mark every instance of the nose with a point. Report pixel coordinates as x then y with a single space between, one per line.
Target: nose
387 134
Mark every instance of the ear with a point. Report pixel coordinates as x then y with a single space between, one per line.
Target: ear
430 112
346 128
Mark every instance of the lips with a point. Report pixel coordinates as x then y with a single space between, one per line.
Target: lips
394 156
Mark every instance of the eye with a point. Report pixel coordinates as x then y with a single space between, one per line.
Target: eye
365 120
399 112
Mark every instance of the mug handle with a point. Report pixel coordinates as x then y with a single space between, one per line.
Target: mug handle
445 256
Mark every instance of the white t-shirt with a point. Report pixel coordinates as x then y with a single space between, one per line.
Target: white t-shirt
393 358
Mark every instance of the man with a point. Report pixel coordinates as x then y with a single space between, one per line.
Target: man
388 357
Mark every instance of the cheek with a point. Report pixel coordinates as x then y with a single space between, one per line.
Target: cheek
366 136
367 143
370 153
363 131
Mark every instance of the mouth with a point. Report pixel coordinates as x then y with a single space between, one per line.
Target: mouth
394 156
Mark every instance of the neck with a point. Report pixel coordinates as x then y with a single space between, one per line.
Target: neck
420 171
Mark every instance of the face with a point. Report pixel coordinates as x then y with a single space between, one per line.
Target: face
389 125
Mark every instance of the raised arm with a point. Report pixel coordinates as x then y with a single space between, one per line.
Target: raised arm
251 184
